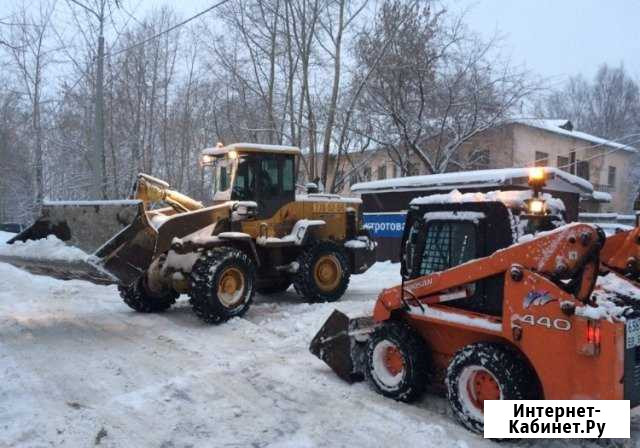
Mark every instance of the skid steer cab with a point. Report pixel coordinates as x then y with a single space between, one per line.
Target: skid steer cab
257 235
479 315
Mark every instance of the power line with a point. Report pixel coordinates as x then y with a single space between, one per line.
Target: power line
168 30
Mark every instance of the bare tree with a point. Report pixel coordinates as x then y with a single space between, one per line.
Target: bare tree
608 106
435 88
334 23
31 56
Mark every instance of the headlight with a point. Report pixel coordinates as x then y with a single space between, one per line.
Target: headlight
207 159
536 207
536 173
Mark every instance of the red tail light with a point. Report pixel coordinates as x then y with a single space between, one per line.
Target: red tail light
593 333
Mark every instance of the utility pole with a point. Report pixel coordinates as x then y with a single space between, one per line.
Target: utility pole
98 160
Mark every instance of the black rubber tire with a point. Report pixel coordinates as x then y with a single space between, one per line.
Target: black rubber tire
138 299
515 378
415 356
275 286
304 282
204 279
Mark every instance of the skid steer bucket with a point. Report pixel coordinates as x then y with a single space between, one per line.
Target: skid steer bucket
341 343
115 235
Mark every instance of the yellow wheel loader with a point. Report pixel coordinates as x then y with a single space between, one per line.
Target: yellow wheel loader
257 235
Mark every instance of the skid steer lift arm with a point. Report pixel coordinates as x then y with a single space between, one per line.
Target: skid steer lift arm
621 253
569 253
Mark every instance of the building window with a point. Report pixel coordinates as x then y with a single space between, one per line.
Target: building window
572 162
411 169
366 174
563 163
582 169
611 178
542 159
396 170
382 172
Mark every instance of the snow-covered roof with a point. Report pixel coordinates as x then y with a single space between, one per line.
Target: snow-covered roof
510 198
557 180
250 147
601 196
562 127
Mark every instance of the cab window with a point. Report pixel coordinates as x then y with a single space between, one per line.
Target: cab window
244 188
288 178
268 176
447 244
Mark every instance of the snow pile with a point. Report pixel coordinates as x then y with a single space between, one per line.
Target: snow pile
326 197
74 369
46 248
501 176
362 242
612 228
604 308
510 198
92 202
456 318
296 236
613 284
5 236
601 196
218 150
555 126
609 295
454 216
383 274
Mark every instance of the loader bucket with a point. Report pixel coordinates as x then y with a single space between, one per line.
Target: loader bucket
341 344
115 233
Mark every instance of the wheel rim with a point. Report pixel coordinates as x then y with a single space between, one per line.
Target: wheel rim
388 364
231 287
327 273
476 385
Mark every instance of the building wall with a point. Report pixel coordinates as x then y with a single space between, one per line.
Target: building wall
529 140
515 145
370 162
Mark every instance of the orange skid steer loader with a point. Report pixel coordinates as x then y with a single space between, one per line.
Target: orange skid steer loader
481 316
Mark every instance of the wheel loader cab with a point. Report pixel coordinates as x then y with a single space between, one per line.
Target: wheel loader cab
441 236
259 174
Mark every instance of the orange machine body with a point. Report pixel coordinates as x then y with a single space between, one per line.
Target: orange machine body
573 356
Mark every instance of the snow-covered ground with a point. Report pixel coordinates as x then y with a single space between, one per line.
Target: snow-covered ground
78 368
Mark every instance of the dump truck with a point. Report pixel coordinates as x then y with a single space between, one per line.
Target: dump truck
498 300
257 235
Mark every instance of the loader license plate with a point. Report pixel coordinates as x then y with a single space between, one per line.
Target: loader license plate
633 333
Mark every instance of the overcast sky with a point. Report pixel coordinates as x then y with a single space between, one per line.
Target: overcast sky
554 38
562 37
